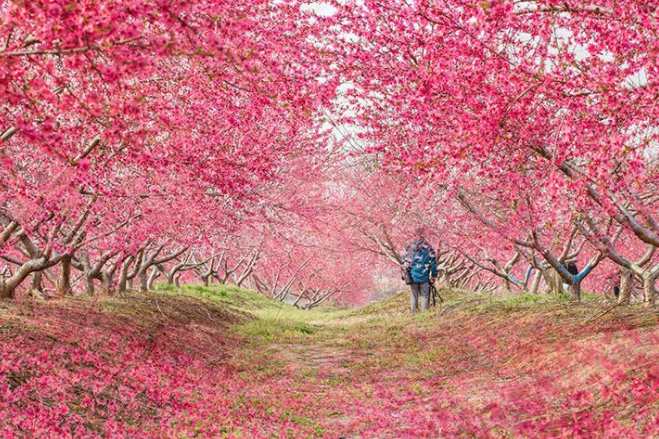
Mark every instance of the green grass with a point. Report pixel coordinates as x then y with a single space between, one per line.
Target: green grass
275 311
384 323
399 303
266 331
245 300
335 348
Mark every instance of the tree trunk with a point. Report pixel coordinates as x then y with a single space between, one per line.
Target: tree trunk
6 292
535 283
89 285
557 283
575 292
36 287
177 280
106 281
122 283
299 298
626 284
152 279
64 281
547 278
8 285
144 280
649 290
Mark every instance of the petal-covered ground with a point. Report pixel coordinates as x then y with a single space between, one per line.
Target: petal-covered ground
234 365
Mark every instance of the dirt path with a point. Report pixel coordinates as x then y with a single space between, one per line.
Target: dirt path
239 366
462 371
328 363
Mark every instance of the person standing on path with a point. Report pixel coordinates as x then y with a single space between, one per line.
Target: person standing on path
420 265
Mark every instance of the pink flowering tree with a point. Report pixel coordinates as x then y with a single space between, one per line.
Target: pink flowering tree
540 110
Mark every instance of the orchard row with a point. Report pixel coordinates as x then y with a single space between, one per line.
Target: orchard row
292 147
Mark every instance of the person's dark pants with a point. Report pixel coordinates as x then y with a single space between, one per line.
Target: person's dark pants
420 291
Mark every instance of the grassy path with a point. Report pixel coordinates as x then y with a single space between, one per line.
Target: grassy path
474 368
220 363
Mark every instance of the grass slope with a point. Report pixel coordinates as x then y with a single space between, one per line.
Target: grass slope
221 362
